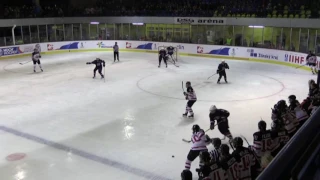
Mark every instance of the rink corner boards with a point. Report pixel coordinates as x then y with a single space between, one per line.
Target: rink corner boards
153 51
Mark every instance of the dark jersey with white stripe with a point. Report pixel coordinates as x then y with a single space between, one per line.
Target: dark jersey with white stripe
215 156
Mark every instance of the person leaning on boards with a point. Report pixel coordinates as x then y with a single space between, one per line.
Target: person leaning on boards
116 51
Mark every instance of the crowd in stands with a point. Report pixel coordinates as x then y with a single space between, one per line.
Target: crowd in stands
199 8
248 162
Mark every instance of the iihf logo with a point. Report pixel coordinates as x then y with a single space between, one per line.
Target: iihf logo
199 49
286 57
128 45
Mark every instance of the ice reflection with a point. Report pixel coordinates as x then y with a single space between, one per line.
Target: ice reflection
128 120
21 174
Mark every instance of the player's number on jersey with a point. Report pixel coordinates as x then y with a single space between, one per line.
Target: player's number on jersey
234 171
245 162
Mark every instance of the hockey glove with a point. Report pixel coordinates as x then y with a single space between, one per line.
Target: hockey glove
39 56
104 65
184 93
217 71
88 63
212 126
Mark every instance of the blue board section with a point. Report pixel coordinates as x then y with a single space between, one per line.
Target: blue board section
222 51
145 46
70 46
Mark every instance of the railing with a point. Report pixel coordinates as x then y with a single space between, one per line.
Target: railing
300 158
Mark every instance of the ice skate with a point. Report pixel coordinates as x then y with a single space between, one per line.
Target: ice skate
159 66
185 115
93 77
34 70
42 70
191 116
102 76
218 82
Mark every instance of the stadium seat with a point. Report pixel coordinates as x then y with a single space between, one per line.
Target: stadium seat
291 16
297 16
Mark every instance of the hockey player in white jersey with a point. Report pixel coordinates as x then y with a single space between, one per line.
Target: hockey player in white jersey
36 59
192 98
312 62
199 143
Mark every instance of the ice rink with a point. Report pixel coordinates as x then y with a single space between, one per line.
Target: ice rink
68 126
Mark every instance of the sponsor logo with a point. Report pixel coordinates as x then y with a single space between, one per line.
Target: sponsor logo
102 45
217 21
262 55
50 47
128 45
27 49
180 47
294 58
9 51
1 52
199 49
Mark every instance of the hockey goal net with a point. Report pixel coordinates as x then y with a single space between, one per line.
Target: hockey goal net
175 56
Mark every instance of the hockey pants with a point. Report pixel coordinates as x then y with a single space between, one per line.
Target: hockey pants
99 69
192 155
224 75
116 56
189 107
223 127
164 59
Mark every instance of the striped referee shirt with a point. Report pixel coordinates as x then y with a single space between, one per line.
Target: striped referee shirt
215 156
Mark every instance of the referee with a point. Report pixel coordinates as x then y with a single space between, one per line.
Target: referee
116 51
215 154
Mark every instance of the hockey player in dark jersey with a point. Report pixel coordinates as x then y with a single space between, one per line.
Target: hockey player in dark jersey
313 93
186 175
222 71
170 51
229 163
221 116
279 138
191 96
36 59
99 65
163 55
245 158
204 170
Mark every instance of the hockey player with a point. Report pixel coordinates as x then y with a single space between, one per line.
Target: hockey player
204 170
215 155
36 59
222 71
116 51
295 107
163 55
289 118
210 170
99 63
312 62
262 142
229 163
170 51
221 116
199 143
191 96
245 159
279 138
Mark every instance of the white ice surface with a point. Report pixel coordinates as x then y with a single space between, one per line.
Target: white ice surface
134 118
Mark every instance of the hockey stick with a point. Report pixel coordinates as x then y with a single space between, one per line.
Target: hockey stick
182 86
25 62
300 66
214 74
173 63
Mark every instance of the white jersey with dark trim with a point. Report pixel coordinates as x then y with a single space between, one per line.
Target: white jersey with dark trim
191 95
199 141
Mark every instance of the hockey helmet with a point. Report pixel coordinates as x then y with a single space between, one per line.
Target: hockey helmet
186 175
224 149
262 125
213 108
237 142
216 142
223 61
282 104
311 81
195 128
292 97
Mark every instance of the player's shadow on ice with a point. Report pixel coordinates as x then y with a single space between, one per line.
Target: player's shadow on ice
186 121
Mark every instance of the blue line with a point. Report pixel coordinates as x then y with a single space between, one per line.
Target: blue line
86 155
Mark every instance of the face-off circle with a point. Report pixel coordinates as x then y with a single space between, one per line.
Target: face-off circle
16 156
243 86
